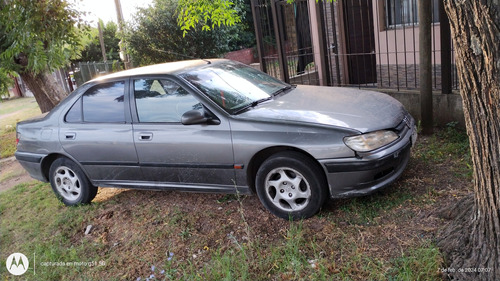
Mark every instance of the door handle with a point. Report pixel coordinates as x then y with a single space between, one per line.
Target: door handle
145 136
70 136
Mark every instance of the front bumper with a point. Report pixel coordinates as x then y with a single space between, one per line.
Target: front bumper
32 163
365 174
358 178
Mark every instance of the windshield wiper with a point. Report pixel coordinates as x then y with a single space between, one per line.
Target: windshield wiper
284 89
252 104
255 103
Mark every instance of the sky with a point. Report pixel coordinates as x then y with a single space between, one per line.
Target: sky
106 10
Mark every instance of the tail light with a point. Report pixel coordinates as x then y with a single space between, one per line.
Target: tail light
18 136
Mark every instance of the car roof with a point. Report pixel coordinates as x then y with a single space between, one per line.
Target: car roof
163 68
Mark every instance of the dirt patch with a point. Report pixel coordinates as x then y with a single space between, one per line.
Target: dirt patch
12 174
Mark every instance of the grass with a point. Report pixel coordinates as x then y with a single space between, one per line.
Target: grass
297 258
448 143
417 264
11 112
171 235
364 210
34 222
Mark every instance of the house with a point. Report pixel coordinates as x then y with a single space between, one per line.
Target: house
357 43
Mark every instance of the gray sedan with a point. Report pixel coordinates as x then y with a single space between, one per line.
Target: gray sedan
218 126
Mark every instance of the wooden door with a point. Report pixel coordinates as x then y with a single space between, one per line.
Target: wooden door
360 41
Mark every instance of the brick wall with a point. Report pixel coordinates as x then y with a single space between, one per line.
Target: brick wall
245 56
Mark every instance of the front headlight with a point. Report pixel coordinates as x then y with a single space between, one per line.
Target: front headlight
370 141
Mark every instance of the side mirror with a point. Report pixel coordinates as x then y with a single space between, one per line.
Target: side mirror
193 117
196 116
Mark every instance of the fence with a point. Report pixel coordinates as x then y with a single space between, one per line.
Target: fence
363 43
85 71
284 40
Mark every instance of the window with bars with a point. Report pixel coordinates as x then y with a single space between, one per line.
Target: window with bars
405 12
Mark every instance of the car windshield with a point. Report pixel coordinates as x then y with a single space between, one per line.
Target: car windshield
233 85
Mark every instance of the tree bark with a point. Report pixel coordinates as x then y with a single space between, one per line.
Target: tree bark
48 93
471 243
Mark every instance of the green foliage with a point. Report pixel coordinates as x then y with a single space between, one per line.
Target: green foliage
92 46
233 16
36 36
155 37
207 13
242 34
5 82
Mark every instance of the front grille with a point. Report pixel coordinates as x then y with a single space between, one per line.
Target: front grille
404 125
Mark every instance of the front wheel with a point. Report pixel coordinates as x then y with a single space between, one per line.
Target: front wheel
291 186
70 184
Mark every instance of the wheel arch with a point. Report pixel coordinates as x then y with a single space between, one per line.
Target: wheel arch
264 154
49 159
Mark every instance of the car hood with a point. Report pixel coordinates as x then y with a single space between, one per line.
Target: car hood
356 109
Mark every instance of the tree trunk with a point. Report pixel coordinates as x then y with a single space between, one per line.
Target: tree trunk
471 242
48 93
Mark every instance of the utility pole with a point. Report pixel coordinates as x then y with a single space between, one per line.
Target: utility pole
123 51
426 107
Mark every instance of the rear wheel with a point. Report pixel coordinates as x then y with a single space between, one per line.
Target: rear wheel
70 184
291 186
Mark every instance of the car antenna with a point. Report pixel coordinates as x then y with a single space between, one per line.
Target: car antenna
182 55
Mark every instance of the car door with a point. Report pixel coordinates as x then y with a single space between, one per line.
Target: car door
173 154
97 132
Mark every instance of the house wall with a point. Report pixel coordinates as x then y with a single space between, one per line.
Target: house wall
400 45
397 52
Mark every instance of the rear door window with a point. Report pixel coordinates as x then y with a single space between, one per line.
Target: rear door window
103 103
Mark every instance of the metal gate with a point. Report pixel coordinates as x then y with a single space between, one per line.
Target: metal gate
284 40
363 43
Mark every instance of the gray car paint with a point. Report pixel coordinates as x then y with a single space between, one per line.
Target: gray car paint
174 149
333 106
310 119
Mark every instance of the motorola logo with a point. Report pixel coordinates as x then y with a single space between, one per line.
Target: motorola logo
17 264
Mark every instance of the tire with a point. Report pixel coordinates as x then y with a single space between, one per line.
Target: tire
291 185
70 184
